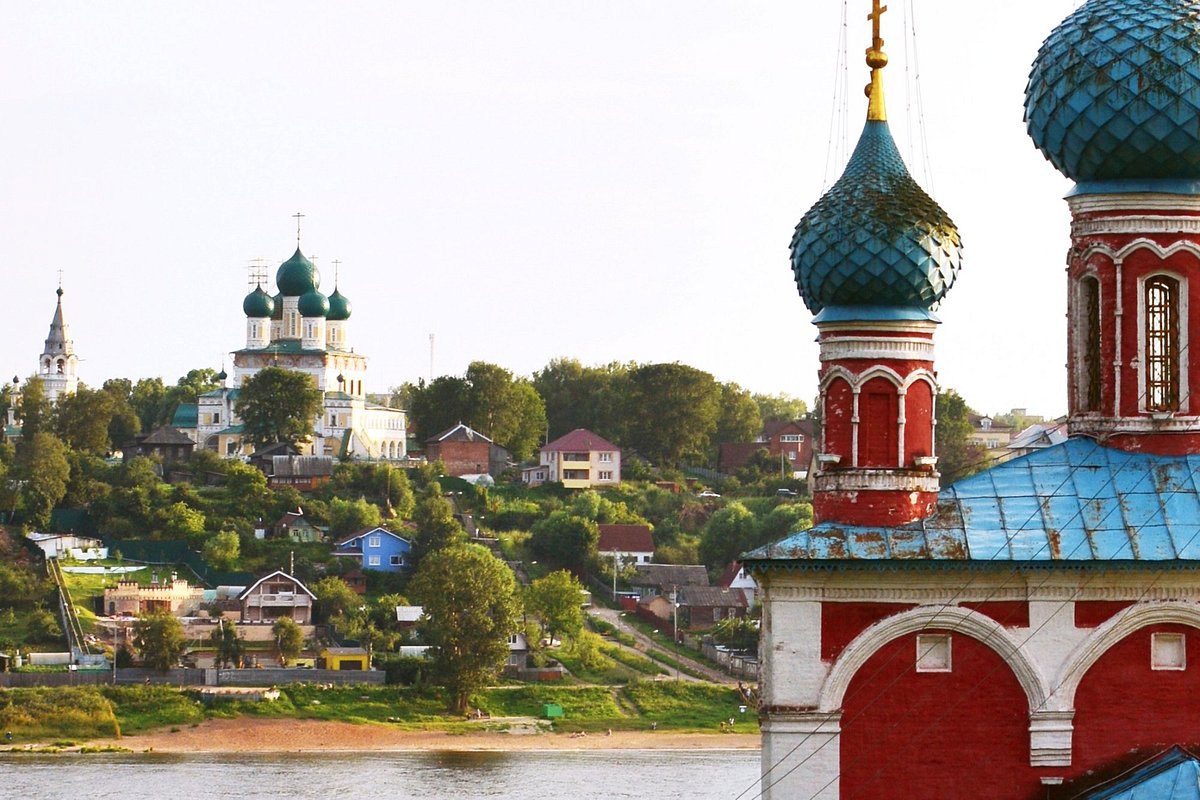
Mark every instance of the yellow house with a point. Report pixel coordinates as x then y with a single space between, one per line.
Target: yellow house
345 658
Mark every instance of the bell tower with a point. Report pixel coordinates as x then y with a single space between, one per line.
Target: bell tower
58 363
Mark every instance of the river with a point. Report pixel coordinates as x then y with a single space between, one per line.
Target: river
610 775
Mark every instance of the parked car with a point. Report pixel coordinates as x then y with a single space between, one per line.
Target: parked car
785 493
708 493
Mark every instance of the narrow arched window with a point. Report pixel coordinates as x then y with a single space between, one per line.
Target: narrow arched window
1091 344
1162 343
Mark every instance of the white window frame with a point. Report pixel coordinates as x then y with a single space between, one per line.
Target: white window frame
929 655
606 457
372 561
374 541
396 560
1164 647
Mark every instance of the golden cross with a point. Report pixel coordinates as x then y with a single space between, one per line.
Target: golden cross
875 16
298 216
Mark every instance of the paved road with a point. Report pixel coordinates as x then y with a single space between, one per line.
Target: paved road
645 643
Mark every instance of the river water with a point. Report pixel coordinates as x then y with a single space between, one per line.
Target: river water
610 775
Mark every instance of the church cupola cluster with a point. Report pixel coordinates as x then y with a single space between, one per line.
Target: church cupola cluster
299 312
1113 102
872 259
58 363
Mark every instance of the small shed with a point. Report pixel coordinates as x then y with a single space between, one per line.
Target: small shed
345 658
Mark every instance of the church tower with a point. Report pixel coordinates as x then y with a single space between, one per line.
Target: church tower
1113 102
872 259
58 363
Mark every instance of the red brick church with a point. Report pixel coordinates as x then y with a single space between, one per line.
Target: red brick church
1032 631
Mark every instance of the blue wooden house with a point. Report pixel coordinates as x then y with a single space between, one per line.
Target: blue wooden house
376 549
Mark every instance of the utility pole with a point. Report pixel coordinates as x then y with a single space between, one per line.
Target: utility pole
614 593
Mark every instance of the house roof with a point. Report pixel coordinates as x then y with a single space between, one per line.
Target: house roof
733 455
580 440
729 574
293 518
409 613
365 531
626 539
187 415
666 576
301 466
279 573
166 434
774 427
712 596
1174 775
272 450
459 433
1078 502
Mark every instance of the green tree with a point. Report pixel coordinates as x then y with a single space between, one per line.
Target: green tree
470 605
565 541
47 473
739 419
227 643
780 407
335 597
556 601
584 397
382 484
33 411
348 516
436 527
440 405
181 521
148 398
673 412
124 423
278 405
223 550
289 639
43 627
957 457
159 638
81 420
729 532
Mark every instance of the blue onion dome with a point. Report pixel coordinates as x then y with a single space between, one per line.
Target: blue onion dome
876 238
1114 93
313 304
297 276
258 304
339 306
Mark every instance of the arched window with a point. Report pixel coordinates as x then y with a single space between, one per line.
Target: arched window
61 366
1089 394
1161 299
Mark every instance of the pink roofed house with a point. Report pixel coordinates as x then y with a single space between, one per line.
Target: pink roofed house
580 459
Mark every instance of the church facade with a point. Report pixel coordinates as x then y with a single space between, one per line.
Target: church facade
58 364
1032 631
299 328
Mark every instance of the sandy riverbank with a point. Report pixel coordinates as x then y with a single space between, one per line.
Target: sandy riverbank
251 735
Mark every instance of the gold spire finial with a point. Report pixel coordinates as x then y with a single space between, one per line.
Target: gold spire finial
876 60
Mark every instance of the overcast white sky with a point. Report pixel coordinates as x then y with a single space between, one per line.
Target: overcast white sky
607 181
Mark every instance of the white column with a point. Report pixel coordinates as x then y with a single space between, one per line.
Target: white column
801 756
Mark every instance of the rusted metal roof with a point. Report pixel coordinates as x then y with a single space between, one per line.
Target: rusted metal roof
1074 502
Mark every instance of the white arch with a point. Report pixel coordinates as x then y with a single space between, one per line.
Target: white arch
833 374
880 371
1162 252
1124 623
952 618
920 375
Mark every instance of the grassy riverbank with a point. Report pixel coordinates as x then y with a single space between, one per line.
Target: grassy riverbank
87 713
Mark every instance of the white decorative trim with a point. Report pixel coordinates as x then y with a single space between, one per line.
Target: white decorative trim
1133 201
1050 735
978 592
1163 253
874 347
1091 425
1124 623
926 327
1107 226
866 480
959 620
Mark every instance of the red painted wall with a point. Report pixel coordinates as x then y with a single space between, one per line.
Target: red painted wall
839 410
873 508
841 622
1093 613
1122 704
962 734
1009 613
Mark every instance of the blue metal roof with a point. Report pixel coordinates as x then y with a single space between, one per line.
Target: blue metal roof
1174 775
1074 502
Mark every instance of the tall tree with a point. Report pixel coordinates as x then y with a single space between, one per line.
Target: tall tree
556 601
729 532
223 550
957 457
566 541
436 526
33 410
470 604
46 474
583 397
739 419
440 405
82 419
780 407
673 412
289 639
125 422
159 638
227 643
348 516
278 405
148 397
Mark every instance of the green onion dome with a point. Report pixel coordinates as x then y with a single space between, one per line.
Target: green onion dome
297 276
339 306
1114 94
876 238
258 304
313 304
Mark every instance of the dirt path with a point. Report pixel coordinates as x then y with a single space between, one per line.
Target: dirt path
644 642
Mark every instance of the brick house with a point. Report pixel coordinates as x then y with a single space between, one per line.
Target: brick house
788 442
466 452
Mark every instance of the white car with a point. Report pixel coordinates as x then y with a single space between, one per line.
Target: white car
708 493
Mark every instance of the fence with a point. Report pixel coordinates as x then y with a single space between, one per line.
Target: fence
191 677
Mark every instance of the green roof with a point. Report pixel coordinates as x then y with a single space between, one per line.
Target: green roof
187 415
291 347
232 429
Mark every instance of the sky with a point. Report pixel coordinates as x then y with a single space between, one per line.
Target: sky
613 181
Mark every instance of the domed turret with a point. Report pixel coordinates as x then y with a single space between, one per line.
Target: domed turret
339 307
876 238
1114 93
258 304
297 276
313 304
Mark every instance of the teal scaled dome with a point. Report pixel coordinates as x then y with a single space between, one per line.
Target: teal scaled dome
297 276
313 304
1114 93
876 238
339 307
258 304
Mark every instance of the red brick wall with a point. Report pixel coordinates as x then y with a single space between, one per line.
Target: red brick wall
460 458
841 622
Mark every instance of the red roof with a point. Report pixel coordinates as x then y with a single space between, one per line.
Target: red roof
579 440
626 539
